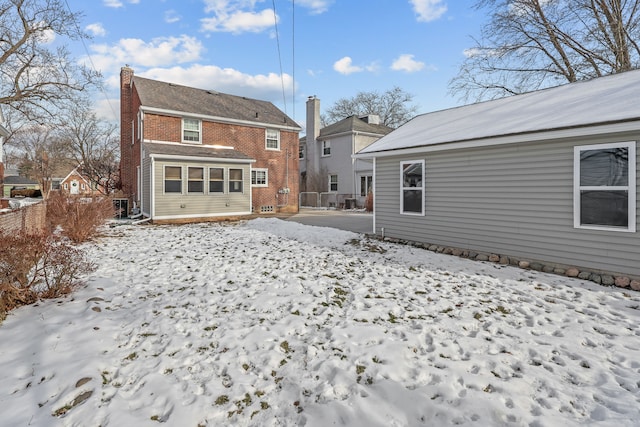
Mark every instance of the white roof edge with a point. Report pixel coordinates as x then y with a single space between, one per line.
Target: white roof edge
629 126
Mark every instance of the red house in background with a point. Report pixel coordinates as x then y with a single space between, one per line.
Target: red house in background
189 154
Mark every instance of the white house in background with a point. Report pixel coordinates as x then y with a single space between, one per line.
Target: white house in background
326 155
549 176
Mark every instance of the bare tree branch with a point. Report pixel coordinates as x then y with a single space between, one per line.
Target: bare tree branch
532 44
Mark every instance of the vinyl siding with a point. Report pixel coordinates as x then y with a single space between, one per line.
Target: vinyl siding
146 186
514 200
175 205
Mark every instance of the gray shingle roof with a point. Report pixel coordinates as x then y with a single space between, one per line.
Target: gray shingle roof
18 180
354 124
205 151
189 100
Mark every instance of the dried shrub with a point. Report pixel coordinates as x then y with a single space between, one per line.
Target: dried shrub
78 217
368 202
36 266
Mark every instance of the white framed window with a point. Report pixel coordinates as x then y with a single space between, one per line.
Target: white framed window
66 186
195 180
235 180
366 184
216 180
259 177
191 130
333 183
412 187
272 139
326 148
604 186
173 179
301 151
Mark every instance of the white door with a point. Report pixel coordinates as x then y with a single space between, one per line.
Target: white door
75 187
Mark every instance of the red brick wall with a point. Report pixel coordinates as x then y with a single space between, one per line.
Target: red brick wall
250 141
1 177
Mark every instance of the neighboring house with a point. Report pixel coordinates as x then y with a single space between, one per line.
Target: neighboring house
548 176
326 154
14 182
190 154
74 183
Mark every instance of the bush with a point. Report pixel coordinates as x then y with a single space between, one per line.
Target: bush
36 266
78 217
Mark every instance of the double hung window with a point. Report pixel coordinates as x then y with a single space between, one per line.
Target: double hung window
604 194
172 179
412 187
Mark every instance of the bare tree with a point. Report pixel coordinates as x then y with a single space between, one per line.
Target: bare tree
35 76
38 152
93 143
393 106
533 44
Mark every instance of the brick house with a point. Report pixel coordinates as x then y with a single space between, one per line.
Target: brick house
189 154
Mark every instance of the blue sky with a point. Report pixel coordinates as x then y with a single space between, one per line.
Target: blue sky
328 48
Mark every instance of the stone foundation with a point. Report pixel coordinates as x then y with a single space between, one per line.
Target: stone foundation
599 277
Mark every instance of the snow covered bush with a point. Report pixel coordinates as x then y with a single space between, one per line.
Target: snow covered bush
35 266
78 217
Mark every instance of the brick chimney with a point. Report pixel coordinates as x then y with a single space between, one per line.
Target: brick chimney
313 130
127 172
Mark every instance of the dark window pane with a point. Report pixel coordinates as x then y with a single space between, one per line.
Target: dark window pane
172 172
412 201
608 167
216 186
609 208
412 175
235 174
235 186
216 173
196 173
172 186
195 186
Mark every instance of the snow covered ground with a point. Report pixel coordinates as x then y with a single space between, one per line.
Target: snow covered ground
273 323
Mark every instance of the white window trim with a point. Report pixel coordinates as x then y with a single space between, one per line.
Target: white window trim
266 138
329 183
202 180
164 179
630 188
403 188
199 141
224 178
229 181
327 144
266 177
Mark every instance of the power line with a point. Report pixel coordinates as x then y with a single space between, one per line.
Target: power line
93 67
275 20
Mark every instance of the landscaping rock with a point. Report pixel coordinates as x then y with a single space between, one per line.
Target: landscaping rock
608 280
584 275
635 285
622 282
504 260
482 257
494 258
572 272
524 264
596 278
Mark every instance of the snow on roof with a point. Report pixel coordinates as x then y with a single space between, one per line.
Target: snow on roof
605 100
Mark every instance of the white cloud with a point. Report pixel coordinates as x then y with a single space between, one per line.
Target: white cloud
429 10
118 3
406 63
228 80
237 16
96 29
171 16
345 66
158 52
317 6
240 22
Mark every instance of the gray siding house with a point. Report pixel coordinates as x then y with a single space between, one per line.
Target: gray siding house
549 176
326 155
